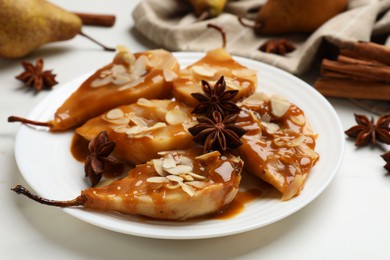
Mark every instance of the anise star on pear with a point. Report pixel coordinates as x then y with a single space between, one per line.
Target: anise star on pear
367 131
215 98
216 133
386 157
100 148
277 46
34 76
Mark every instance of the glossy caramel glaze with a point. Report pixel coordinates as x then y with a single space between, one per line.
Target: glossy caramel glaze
217 182
278 149
215 64
89 101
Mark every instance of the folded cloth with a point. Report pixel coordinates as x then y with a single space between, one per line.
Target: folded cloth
171 24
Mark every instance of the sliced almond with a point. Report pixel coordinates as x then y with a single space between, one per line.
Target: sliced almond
197 184
169 75
208 156
270 128
145 102
176 117
131 84
179 169
188 189
115 114
101 82
158 166
136 119
157 179
196 176
174 178
169 162
298 120
279 105
203 71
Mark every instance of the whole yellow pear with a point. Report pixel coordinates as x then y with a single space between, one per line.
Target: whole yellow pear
27 24
292 16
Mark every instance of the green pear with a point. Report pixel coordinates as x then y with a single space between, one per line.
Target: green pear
25 25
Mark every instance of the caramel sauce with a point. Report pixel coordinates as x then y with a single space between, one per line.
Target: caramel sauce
238 204
79 148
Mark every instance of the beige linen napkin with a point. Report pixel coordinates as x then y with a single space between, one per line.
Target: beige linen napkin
170 24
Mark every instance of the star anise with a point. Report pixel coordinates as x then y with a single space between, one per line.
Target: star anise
215 98
367 131
386 157
216 133
34 76
98 160
277 46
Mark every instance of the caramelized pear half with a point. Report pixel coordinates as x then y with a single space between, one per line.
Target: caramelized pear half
143 129
177 186
215 64
279 143
146 74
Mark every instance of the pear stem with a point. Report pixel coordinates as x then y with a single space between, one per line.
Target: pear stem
255 25
98 43
28 121
79 201
223 34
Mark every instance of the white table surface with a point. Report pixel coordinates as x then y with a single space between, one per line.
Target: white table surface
349 220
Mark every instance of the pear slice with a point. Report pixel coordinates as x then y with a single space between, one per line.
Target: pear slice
143 129
216 63
146 74
202 184
279 144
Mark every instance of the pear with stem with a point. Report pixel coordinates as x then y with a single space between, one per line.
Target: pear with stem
25 25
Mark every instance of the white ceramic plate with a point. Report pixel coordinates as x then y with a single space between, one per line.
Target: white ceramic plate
45 161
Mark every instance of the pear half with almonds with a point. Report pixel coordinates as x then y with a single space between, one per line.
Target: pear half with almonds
279 143
178 185
130 76
143 129
210 68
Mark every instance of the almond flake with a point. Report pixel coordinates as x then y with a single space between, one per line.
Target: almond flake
136 119
174 178
145 102
179 169
196 176
115 114
176 117
208 156
158 166
188 189
169 162
157 179
279 105
132 84
203 71
169 75
270 128
298 120
197 184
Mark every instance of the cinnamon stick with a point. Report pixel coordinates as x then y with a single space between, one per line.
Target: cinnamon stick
353 89
366 50
105 20
380 73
